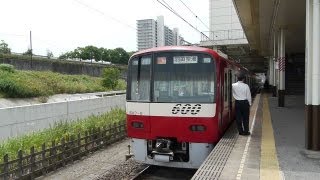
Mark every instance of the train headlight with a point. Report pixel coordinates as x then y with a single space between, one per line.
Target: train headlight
136 124
198 128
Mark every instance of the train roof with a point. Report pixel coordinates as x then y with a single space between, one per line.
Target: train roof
190 48
176 48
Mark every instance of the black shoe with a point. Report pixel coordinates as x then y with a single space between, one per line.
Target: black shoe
241 133
246 133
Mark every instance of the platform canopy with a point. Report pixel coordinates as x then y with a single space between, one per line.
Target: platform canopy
260 18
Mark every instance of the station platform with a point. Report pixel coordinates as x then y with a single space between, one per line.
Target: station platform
274 150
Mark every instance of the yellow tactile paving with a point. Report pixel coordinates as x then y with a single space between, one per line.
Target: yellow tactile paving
269 165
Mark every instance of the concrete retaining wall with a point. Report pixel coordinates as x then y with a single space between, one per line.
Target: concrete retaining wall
20 120
60 66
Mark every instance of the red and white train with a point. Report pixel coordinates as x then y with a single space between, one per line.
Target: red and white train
179 104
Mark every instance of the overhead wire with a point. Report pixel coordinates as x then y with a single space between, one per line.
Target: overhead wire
166 5
104 14
194 14
119 21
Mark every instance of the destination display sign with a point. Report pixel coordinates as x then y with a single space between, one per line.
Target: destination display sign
185 59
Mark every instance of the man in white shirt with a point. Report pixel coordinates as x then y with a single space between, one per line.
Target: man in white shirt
241 92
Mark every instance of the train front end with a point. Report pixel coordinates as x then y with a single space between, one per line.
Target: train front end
171 107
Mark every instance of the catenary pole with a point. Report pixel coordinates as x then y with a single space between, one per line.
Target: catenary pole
282 68
312 99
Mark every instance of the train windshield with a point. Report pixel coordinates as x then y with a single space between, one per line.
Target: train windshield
139 81
172 77
183 77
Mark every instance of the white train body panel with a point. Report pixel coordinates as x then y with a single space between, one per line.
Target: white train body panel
197 151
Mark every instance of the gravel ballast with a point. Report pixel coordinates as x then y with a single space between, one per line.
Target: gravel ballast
107 163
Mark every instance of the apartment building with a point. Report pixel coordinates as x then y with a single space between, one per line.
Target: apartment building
153 33
224 24
146 34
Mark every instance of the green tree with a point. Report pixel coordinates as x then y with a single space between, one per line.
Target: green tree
106 55
63 56
114 57
131 53
28 52
76 53
101 53
4 48
90 52
66 55
85 54
123 56
110 77
95 53
49 54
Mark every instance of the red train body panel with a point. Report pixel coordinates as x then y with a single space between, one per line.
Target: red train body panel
158 127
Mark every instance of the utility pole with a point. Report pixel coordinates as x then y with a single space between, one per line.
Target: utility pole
91 57
31 48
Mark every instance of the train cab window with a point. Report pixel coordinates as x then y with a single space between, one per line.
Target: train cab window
184 77
139 79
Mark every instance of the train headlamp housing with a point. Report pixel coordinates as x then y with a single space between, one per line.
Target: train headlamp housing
197 128
136 124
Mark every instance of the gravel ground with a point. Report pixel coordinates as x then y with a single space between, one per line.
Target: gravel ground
108 163
126 170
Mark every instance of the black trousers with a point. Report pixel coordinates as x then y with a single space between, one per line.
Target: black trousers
242 115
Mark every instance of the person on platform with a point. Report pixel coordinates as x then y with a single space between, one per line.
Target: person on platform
266 84
242 95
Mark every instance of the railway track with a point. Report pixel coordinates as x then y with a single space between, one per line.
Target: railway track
164 173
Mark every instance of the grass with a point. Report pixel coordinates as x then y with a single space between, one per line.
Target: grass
56 132
24 84
122 85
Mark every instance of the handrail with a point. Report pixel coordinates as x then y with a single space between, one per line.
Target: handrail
217 35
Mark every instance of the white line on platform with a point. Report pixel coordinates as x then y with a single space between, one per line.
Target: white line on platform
245 152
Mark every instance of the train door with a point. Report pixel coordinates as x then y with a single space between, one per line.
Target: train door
226 98
221 97
230 94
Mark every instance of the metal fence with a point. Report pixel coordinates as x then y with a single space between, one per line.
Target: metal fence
231 34
58 154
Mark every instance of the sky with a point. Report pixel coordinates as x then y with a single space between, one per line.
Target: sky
63 25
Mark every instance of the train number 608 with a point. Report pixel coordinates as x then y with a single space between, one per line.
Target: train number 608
186 109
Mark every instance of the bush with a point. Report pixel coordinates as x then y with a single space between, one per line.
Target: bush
7 67
110 78
122 85
23 84
59 130
13 89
